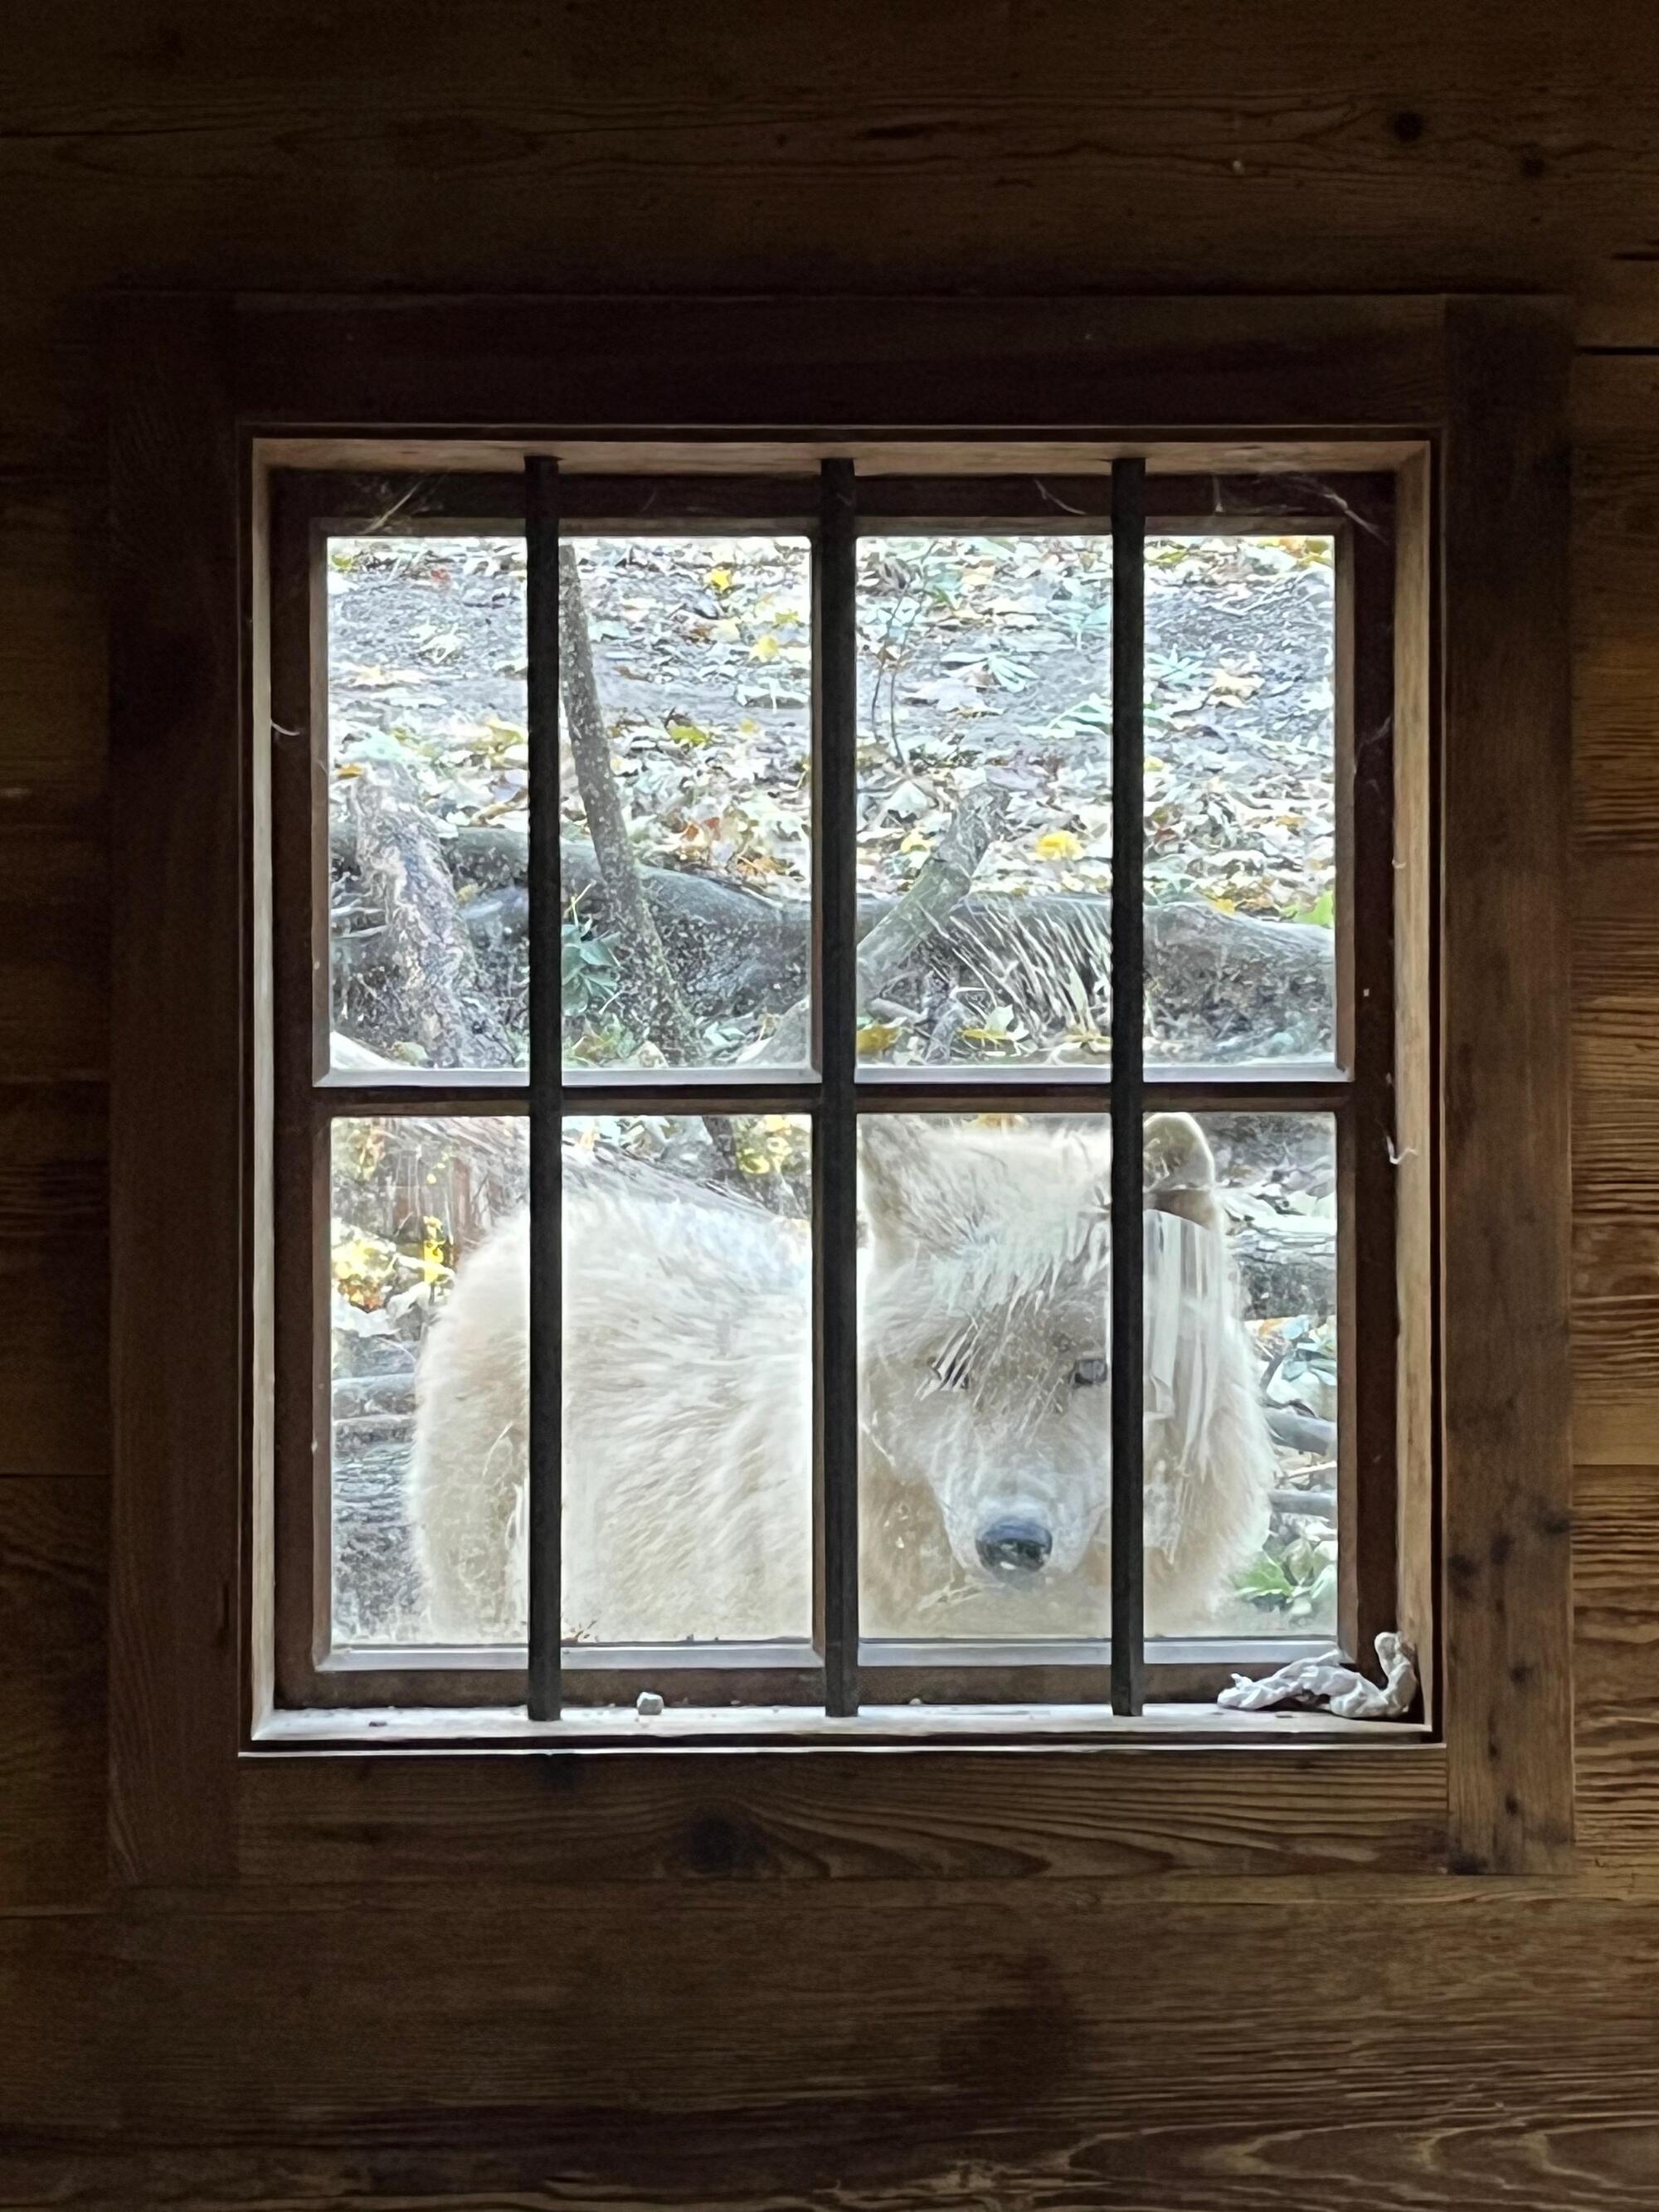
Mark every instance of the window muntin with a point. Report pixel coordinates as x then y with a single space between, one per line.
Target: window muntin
1007 1664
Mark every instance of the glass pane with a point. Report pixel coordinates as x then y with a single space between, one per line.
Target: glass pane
428 770
686 676
984 1343
1241 799
1241 1374
985 1385
985 796
425 1254
688 1380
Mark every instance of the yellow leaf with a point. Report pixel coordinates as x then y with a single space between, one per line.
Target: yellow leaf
914 842
1222 905
1058 845
433 1267
689 733
879 1037
764 649
719 580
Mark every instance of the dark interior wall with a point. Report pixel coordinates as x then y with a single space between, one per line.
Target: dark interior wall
965 2043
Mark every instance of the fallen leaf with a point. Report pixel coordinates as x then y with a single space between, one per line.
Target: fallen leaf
879 1037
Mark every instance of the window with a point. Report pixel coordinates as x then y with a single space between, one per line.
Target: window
238 424
698 897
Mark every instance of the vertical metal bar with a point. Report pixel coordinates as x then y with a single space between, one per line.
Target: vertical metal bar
1128 1011
546 1316
835 1128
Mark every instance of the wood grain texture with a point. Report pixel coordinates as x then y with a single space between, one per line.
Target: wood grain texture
933 148
1506 1165
1616 1660
175 716
53 1561
538 2057
920 364
54 1258
884 2044
822 1816
1616 913
54 1001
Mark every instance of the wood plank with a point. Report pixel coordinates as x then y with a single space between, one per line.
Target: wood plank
945 148
1615 1343
840 1817
54 1261
1616 911
1506 1167
1616 1661
917 363
1616 1094
180 1292
540 2056
1615 629
53 1838
54 1000
53 682
60 2065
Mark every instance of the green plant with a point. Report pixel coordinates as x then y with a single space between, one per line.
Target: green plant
589 976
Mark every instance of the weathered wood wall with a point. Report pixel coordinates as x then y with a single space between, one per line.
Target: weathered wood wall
748 2041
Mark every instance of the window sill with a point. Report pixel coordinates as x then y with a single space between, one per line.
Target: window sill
1009 1727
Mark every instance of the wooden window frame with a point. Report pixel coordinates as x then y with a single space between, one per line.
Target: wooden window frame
1356 1089
1463 402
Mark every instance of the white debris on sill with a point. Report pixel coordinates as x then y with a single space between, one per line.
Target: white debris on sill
648 1704
1327 1679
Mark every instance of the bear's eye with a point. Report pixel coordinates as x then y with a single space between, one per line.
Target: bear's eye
1088 1372
950 1372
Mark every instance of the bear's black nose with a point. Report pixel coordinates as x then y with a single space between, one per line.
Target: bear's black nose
1010 1546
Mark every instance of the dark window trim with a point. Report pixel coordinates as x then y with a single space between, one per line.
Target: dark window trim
1465 400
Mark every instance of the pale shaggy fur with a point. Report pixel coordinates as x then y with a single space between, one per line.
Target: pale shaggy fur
984 1287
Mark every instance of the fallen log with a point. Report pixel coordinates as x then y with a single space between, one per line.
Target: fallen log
1285 1271
1267 985
439 1000
1300 1431
923 912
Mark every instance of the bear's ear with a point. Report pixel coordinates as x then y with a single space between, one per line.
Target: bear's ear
1178 1175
